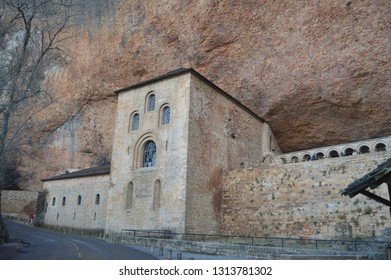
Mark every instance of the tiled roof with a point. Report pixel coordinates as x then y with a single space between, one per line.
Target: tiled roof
93 171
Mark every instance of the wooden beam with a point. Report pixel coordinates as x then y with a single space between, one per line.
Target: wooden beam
376 197
389 193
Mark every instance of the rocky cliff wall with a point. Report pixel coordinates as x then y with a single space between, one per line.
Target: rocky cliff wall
317 71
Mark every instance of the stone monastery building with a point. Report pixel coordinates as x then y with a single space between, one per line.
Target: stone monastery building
175 136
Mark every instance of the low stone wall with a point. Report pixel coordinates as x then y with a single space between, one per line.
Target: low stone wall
18 204
304 200
251 252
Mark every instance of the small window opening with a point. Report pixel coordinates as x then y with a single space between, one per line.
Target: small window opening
79 200
54 201
97 199
295 159
151 103
166 115
135 122
64 199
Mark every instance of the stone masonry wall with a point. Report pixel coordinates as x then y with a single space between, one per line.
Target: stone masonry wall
304 200
222 136
18 204
150 209
86 215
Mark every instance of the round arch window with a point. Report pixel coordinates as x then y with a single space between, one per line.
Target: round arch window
380 147
149 154
364 149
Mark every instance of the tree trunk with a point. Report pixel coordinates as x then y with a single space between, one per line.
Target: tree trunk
4 236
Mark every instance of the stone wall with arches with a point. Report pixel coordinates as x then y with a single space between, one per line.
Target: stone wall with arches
304 199
369 146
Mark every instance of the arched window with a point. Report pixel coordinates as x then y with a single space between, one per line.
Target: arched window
320 155
97 199
54 201
364 149
156 195
348 152
306 157
333 154
135 121
283 160
294 159
79 200
380 147
129 196
149 154
151 102
166 115
64 199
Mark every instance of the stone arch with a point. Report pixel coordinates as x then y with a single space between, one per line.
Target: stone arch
319 155
333 153
364 149
348 151
306 157
139 150
283 160
294 159
269 155
380 147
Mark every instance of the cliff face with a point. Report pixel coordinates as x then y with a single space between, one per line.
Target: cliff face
317 71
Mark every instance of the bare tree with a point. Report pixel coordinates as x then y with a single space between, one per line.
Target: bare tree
31 34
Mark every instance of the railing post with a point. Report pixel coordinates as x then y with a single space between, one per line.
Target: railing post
316 244
252 241
282 242
355 246
226 239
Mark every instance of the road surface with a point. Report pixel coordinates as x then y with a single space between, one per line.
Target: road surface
41 244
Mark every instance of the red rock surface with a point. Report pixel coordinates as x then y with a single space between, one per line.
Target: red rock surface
317 71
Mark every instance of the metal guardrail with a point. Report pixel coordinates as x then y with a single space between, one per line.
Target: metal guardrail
283 242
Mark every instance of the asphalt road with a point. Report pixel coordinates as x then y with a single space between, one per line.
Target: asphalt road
41 244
